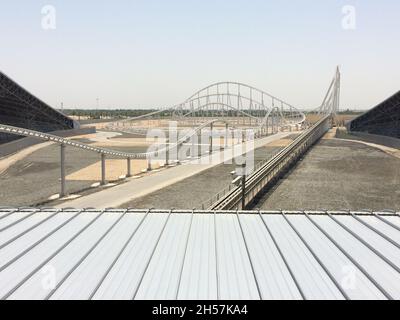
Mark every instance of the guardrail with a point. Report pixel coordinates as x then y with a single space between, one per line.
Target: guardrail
231 187
271 169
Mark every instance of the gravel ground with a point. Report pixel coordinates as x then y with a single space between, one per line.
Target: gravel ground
193 191
34 179
337 175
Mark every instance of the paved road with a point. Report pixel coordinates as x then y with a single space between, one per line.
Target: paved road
135 188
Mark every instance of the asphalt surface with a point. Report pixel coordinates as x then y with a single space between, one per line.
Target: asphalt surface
336 175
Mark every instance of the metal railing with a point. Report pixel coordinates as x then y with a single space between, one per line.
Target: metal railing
272 168
209 202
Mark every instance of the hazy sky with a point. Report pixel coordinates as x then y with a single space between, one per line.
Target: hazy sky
157 53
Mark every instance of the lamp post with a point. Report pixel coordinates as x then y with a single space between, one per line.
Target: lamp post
62 161
241 180
243 186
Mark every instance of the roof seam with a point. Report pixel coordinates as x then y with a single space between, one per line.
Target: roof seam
58 285
118 256
38 242
18 221
387 222
9 213
387 238
29 229
216 255
283 258
184 256
151 256
338 286
366 244
250 260
377 285
50 257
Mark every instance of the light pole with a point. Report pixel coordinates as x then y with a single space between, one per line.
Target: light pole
243 186
240 180
63 188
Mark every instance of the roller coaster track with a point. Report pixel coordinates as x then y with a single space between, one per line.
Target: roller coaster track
272 169
224 98
245 105
68 142
266 174
210 105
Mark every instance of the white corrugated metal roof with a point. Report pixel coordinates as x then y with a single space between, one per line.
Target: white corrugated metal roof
137 254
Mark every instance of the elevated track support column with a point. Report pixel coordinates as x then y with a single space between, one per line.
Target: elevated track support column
149 163
103 169
211 138
167 152
192 148
128 168
199 143
243 186
226 136
63 191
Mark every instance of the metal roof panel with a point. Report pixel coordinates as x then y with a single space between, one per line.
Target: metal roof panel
164 254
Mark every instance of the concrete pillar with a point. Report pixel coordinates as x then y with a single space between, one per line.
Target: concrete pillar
192 149
199 143
149 163
226 135
211 138
128 168
103 169
167 152
177 152
63 192
243 186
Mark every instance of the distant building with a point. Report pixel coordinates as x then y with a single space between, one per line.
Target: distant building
384 119
20 108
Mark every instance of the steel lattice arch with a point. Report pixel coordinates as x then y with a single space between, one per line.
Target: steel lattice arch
237 104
